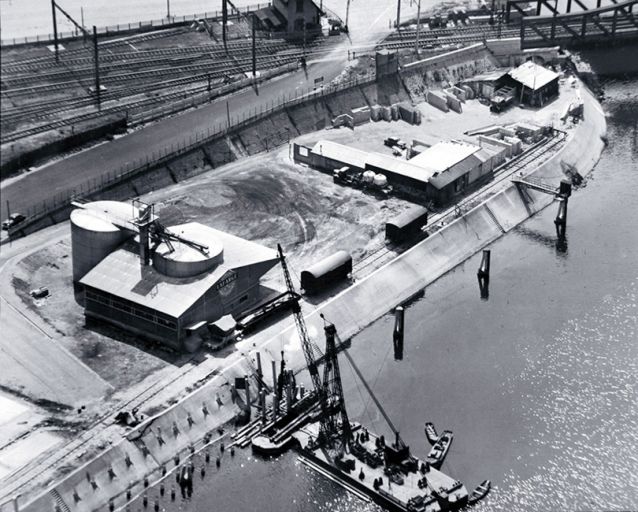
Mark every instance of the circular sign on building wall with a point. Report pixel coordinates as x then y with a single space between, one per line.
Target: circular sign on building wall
226 284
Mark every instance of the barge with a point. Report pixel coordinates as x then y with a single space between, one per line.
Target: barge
390 477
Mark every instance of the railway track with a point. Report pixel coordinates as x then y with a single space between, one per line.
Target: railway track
132 106
14 71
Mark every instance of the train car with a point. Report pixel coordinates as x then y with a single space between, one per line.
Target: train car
407 225
326 272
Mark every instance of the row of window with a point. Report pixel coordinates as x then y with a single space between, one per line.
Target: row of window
130 309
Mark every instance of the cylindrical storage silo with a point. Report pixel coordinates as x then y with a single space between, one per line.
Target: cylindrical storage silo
94 236
92 239
183 259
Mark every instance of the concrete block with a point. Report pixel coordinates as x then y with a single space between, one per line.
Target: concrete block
437 100
387 114
453 103
376 113
394 112
360 115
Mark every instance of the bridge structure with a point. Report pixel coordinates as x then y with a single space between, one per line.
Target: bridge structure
582 22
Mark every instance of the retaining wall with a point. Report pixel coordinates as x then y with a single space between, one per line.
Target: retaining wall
352 310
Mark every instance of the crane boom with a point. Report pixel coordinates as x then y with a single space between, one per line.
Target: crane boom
306 343
399 441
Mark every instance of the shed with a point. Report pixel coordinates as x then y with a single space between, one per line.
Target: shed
536 83
406 225
325 272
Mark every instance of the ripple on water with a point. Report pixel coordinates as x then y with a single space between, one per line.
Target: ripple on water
579 402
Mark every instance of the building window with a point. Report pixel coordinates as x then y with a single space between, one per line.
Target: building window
300 5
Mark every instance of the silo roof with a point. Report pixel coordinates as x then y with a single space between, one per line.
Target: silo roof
121 274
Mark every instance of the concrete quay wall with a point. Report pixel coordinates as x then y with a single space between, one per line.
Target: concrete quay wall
151 448
420 266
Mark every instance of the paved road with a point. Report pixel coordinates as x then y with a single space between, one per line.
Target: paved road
368 23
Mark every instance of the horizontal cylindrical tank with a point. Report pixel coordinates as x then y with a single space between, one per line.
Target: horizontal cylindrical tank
94 236
325 272
380 180
184 259
368 176
406 225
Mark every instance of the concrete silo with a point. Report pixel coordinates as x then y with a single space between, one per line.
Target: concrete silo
181 259
94 233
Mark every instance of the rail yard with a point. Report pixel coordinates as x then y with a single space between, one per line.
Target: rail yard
201 218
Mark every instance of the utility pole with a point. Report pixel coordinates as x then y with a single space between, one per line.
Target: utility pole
55 32
168 9
347 14
398 13
228 113
224 21
82 20
418 27
97 69
254 23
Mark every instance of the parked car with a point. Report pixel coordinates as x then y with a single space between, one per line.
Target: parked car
13 220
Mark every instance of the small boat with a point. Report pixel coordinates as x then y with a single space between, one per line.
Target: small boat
430 433
480 492
438 452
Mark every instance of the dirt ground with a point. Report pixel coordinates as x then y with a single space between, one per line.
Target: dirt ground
118 358
267 199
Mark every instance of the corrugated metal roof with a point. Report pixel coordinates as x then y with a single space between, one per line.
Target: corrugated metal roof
445 178
533 76
345 154
359 158
444 155
122 275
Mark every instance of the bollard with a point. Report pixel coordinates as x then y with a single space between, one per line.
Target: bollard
145 501
232 451
483 275
397 334
207 457
161 489
172 493
561 219
218 462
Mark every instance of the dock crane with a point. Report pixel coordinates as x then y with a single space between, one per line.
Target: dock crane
399 451
329 392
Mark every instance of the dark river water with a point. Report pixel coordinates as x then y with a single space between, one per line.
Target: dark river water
539 383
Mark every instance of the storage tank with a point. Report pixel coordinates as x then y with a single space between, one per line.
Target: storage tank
94 236
380 180
181 259
368 176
